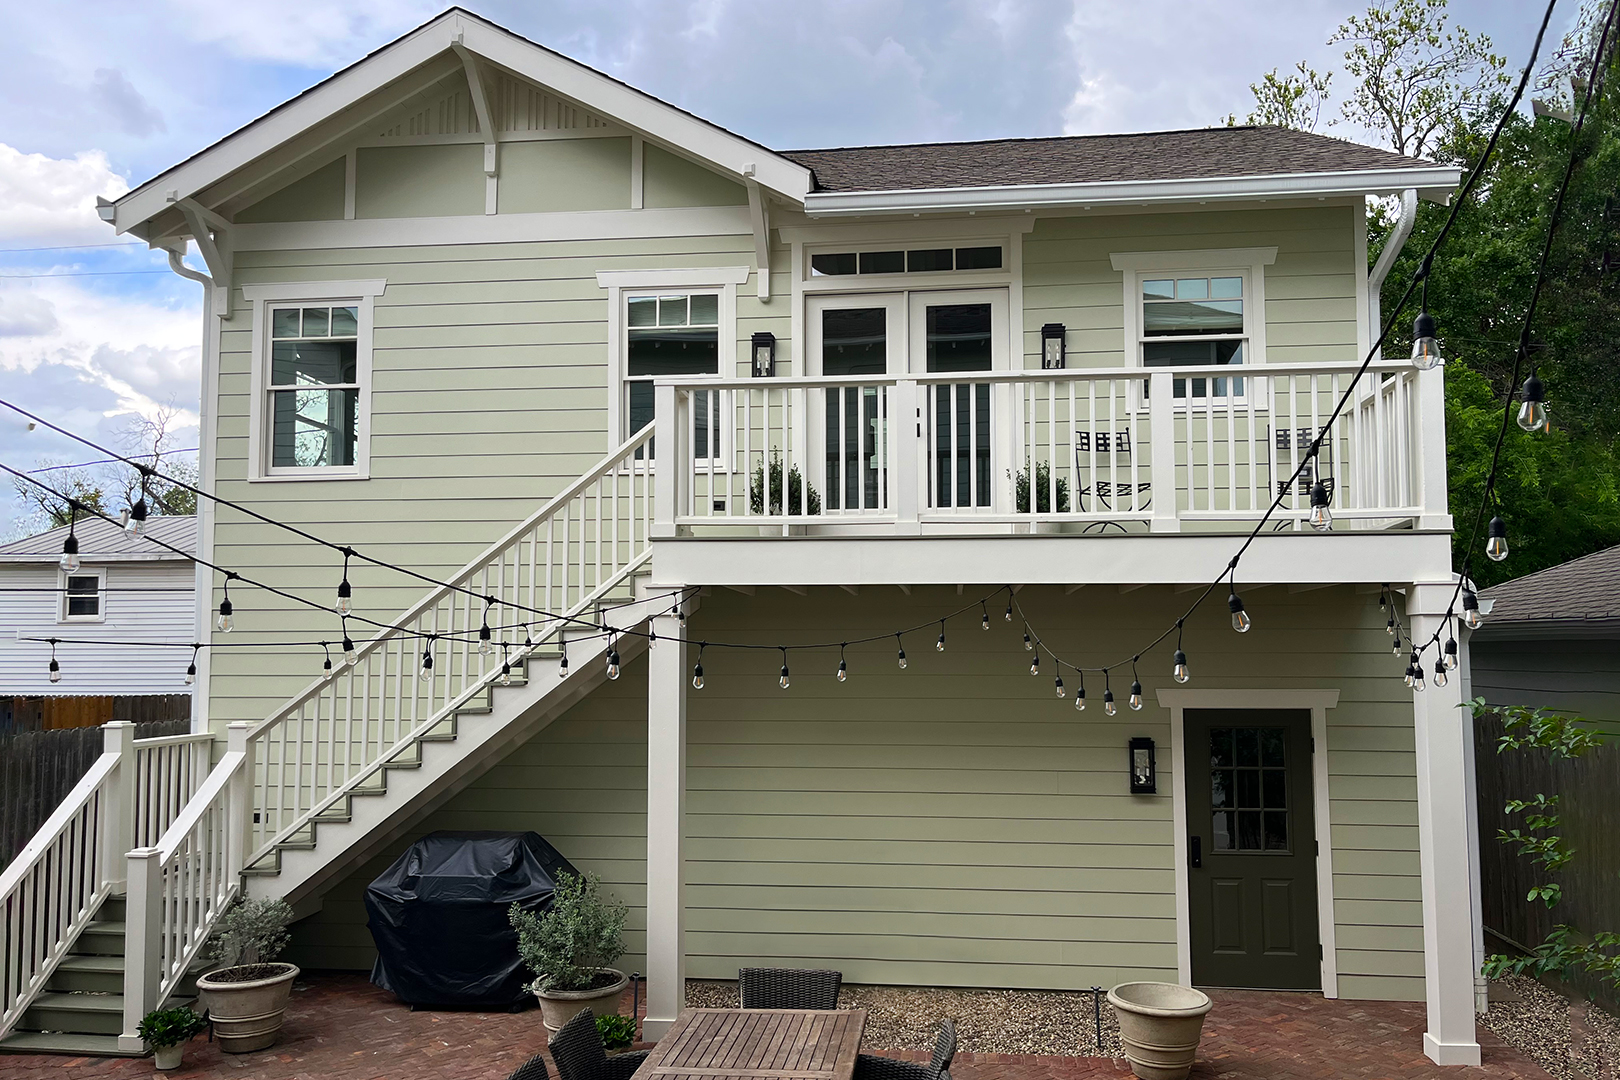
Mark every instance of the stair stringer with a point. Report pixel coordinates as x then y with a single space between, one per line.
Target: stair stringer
447 767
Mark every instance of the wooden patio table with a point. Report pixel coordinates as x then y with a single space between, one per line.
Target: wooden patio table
758 1044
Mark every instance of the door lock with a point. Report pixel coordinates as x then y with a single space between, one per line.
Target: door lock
1195 852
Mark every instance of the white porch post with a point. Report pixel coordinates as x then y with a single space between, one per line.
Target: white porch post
1465 682
118 812
666 828
1442 732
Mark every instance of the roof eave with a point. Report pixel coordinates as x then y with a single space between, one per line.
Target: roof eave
1432 182
1602 627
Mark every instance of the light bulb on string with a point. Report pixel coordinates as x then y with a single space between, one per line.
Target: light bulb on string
939 646
1240 618
227 614
1425 342
486 642
1496 547
1008 616
506 667
562 660
426 672
1135 700
326 665
1059 687
1471 615
1409 676
1321 512
191 668
1440 676
1080 691
1396 647
1533 410
135 524
984 623
53 670
351 655
1417 674
1179 672
697 669
1450 655
70 546
1035 663
613 656
345 595
843 667
1108 695
1028 644
901 659
784 682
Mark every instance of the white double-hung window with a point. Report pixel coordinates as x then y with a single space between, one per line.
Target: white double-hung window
672 334
311 380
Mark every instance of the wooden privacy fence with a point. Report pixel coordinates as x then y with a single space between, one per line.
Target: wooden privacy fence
1589 803
39 768
88 710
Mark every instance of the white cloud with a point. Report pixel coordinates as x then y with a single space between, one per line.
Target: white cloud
45 200
306 33
116 96
24 314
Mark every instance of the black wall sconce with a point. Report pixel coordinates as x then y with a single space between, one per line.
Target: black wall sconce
1144 780
764 351
1054 345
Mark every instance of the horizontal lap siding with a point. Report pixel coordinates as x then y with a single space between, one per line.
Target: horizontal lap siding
955 824
1310 290
490 386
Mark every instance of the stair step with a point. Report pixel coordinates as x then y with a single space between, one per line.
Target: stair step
81 1014
57 1042
95 974
100 938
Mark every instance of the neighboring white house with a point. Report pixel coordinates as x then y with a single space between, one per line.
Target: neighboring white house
125 589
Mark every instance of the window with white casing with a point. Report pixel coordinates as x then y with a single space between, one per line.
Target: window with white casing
311 380
671 334
83 596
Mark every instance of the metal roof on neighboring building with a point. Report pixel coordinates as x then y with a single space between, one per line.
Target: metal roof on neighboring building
103 541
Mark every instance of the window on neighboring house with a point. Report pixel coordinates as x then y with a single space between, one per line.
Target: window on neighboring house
314 387
1195 321
82 597
672 334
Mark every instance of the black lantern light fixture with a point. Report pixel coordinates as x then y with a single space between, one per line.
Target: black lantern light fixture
1054 345
1144 780
764 354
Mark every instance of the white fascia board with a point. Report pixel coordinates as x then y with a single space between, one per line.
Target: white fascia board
1433 182
696 278
592 89
314 290
494 229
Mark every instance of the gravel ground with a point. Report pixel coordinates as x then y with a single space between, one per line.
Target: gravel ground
1540 1026
987 1021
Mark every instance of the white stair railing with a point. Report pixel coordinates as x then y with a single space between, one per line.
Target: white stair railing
340 732
52 889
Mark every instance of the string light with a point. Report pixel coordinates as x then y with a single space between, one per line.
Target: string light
1008 616
1240 618
984 624
70 546
1496 548
426 674
1450 655
562 662
1180 672
784 682
1136 687
326 666
351 656
939 646
1533 411
345 595
506 667
902 647
1035 663
191 668
1028 644
843 668
1321 513
1440 677
1108 695
613 656
135 522
227 614
1080 691
486 644
1417 671
1060 683
53 670
1425 344
1471 616
697 668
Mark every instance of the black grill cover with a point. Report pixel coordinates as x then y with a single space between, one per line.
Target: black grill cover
438 916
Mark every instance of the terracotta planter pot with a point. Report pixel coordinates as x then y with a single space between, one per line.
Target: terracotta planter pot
168 1057
557 1007
1160 1024
247 1015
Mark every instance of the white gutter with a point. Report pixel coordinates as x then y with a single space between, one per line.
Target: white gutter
1434 182
1386 259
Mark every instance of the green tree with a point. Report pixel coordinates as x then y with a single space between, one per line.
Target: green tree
1294 100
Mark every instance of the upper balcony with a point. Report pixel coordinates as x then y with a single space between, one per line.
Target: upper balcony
1168 452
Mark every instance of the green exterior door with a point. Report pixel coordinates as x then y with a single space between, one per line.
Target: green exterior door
1251 846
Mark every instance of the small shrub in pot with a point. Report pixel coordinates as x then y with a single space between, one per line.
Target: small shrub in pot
570 950
167 1031
247 994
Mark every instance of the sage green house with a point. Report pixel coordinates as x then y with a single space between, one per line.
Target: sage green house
836 518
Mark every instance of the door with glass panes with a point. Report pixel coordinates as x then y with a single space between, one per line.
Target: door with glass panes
958 332
852 336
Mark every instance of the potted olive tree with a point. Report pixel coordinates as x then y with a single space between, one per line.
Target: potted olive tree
247 994
570 950
167 1031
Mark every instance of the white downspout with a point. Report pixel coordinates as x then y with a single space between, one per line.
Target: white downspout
1386 259
204 587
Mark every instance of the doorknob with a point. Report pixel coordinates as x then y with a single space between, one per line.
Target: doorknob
1195 852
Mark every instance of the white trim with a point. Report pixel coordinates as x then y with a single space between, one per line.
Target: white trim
1317 702
1193 259
314 290
496 229
570 79
97 572
702 277
842 233
1363 337
363 295
1434 182
638 171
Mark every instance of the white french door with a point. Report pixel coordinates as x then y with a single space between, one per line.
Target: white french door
958 331
849 425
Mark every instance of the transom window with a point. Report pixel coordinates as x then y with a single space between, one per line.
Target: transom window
672 334
1248 783
1188 321
81 597
917 261
314 386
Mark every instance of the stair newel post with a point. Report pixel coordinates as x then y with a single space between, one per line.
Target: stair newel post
143 941
239 805
667 428
117 824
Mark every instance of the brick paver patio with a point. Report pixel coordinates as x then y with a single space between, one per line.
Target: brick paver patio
340 1027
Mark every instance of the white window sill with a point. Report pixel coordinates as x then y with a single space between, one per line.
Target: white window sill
304 476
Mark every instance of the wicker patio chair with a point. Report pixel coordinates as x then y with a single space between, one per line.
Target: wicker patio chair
788 988
577 1049
873 1067
533 1069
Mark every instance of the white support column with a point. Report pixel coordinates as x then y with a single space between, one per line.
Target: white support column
118 812
1162 450
1442 731
143 947
666 828
1431 440
1465 683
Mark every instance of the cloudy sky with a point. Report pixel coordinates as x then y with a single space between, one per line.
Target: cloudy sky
104 95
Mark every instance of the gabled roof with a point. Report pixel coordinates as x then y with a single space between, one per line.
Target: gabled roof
1582 596
348 92
103 542
1208 153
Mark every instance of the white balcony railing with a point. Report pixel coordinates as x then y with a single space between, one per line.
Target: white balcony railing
1125 448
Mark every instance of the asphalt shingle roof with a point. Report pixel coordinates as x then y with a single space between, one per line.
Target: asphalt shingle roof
1201 153
101 541
1582 590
